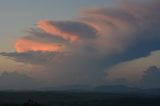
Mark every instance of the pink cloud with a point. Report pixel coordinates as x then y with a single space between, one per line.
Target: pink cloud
25 45
49 27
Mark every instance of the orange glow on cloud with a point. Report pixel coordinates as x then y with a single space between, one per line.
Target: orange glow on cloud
52 29
26 45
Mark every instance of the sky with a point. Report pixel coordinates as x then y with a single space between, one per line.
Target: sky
79 42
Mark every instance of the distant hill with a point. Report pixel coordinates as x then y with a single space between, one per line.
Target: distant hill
120 89
116 89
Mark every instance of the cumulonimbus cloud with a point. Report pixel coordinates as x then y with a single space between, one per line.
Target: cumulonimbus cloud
101 38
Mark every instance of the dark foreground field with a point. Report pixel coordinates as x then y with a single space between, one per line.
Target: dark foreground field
76 99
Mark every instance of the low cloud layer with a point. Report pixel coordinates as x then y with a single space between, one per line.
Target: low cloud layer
151 78
80 51
31 57
15 81
133 70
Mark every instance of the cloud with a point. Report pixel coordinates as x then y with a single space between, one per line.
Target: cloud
80 51
16 81
67 30
151 78
130 26
36 58
110 30
133 70
25 45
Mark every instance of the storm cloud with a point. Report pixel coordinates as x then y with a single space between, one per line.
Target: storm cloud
80 51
